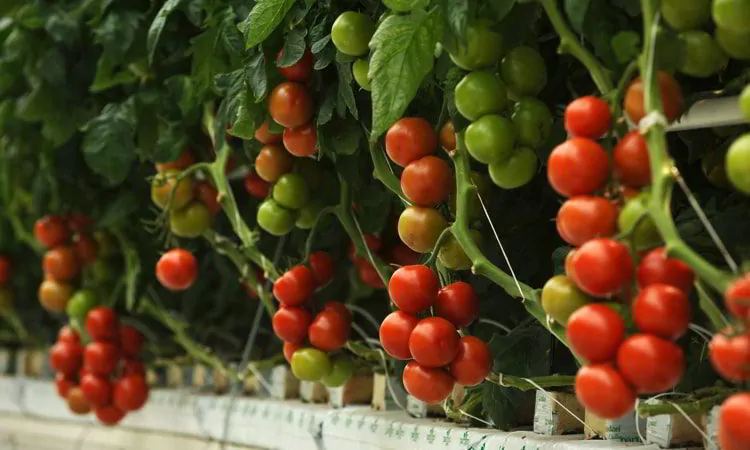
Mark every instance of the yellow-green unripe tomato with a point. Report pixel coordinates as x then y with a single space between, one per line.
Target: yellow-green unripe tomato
516 170
745 102
686 14
342 368
733 15
452 256
524 71
490 139
561 298
80 304
290 191
483 47
162 185
351 33
736 45
310 364
634 218
480 93
360 69
702 56
738 164
190 221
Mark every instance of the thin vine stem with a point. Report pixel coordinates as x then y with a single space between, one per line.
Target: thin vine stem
521 383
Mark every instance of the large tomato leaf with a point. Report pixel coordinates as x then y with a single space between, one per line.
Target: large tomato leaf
109 142
402 55
294 47
265 16
157 26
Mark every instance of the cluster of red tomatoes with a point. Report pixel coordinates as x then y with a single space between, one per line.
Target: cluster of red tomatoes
6 296
440 356
105 375
396 253
277 171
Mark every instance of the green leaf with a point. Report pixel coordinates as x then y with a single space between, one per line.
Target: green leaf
345 92
117 32
402 55
342 137
265 16
257 80
231 37
157 26
577 11
294 47
206 61
626 45
107 77
501 8
324 58
325 111
118 211
109 141
63 28
320 35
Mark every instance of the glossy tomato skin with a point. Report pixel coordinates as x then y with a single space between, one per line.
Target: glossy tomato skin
448 136
321 266
524 70
290 324
289 349
77 403
65 357
264 136
413 288
310 364
434 342
165 183
290 104
54 296
299 71
656 267
480 93
68 334
517 170
274 218
301 141
329 331
131 393
533 120
272 162
483 46
351 33
394 334
662 310
294 287
429 385
102 324
131 341
51 231
650 364
578 166
561 298
420 227
737 298
588 116
291 191
86 249
257 186
185 160
100 358
458 303
603 391
730 355
491 138
595 332
602 267
410 139
61 263
734 415
63 384
582 218
97 390
472 363
631 163
177 269
737 163
108 415
671 98
427 181
340 309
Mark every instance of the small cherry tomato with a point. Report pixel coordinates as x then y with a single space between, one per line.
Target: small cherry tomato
164 183
54 296
301 141
86 249
290 105
737 298
603 391
310 364
369 275
208 195
321 265
671 98
60 263
427 384
65 357
329 331
650 364
595 332
657 268
177 269
473 362
272 162
96 389
561 298
102 324
730 355
402 255
131 393
582 218
340 309
100 358
631 163
51 231
410 139
734 415
78 223
578 166
290 324
394 334
77 403
185 160
64 383
108 415
68 334
458 303
299 71
588 116
662 310
434 342
132 367
131 341
420 227
295 286
413 288
289 349
602 267
257 186
427 181
264 136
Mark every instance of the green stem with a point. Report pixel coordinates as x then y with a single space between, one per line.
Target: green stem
708 306
383 172
521 383
698 406
570 43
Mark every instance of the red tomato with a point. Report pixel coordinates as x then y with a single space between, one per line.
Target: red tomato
603 391
177 269
63 383
650 364
662 310
295 287
429 385
582 218
413 288
208 195
730 355
299 71
448 136
602 267
369 275
321 266
427 181
434 342
65 357
77 403
60 263
737 298
671 98
395 330
289 349
588 116
108 415
473 362
51 231
632 166
131 393
290 105
97 390
301 141
102 324
655 268
257 186
595 331
457 302
85 249
578 166
100 358
290 324
264 136
69 335
402 255
4 270
185 160
132 367
131 341
329 331
410 139
734 415
340 309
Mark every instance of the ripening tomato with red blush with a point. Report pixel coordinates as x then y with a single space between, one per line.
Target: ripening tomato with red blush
51 231
578 166
602 267
290 104
427 384
394 334
656 267
289 349
300 70
427 181
177 269
603 391
185 160
301 141
410 139
631 163
582 218
662 310
458 303
295 286
448 136
472 363
413 288
61 263
650 364
588 116
595 332
290 324
672 100
208 195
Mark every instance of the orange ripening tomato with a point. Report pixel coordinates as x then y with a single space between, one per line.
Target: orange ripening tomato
301 141
51 231
264 136
185 160
427 181
631 162
410 139
671 98
582 218
291 105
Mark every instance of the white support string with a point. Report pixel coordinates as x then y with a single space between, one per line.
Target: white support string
495 324
700 331
552 397
363 312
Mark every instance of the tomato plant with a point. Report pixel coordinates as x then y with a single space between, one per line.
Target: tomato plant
290 105
458 303
588 117
480 93
310 364
472 363
582 218
662 310
413 288
427 384
602 267
603 391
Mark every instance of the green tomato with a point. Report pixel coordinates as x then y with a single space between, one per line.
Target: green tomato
490 138
702 57
483 47
635 214
524 71
561 298
736 45
342 368
452 255
516 170
738 163
80 304
360 69
533 121
290 191
686 14
310 364
733 15
162 185
190 221
480 93
6 301
351 33
745 102
308 214
274 218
